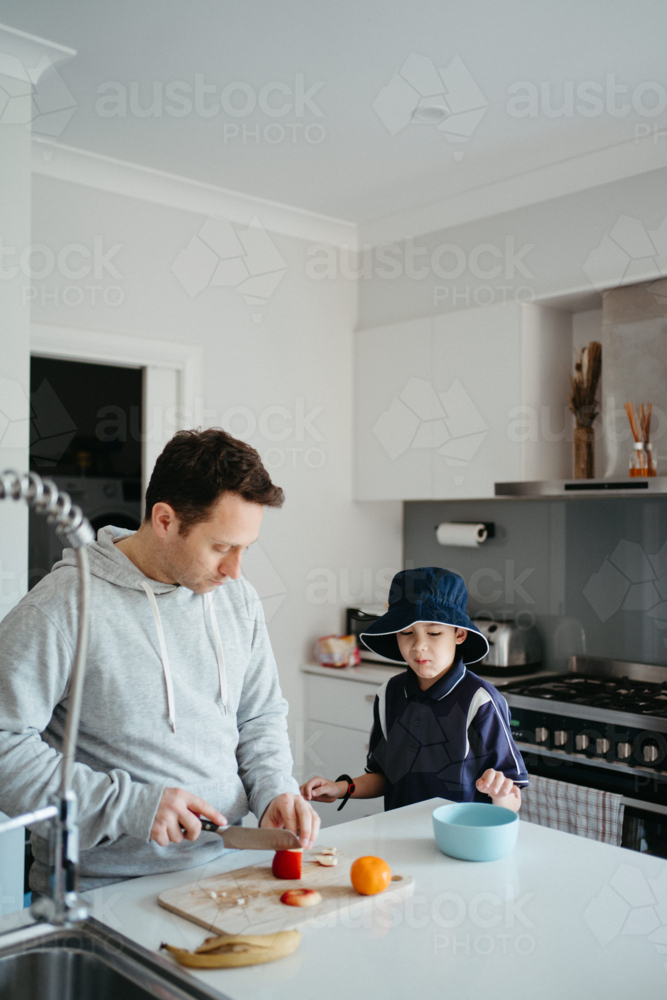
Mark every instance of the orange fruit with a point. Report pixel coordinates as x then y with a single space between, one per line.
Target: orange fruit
370 875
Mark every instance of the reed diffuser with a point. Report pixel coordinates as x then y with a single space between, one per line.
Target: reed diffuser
584 385
641 456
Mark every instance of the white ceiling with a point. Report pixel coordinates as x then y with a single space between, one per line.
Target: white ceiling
359 171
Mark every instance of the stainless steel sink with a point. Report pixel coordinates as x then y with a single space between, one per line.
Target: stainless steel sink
91 962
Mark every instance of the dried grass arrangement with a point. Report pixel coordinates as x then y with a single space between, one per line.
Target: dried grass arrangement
584 384
583 403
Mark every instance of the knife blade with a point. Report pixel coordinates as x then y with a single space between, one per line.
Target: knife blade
247 838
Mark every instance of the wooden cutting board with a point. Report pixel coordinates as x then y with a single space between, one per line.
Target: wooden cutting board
261 911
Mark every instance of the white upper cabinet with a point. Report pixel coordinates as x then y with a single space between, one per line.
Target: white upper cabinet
477 368
449 405
391 360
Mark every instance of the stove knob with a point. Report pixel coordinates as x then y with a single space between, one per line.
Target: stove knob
560 737
602 746
581 741
650 752
541 734
624 750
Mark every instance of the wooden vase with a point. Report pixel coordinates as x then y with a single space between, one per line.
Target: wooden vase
584 453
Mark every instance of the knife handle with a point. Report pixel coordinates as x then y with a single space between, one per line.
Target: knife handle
208 825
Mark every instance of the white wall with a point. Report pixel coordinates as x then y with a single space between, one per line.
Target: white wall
19 50
14 357
539 251
298 358
14 427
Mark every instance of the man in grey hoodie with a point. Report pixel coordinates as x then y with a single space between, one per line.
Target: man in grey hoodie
182 712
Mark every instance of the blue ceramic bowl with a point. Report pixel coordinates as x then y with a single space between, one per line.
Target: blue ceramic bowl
475 831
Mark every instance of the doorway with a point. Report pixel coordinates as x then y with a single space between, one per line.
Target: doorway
86 434
168 375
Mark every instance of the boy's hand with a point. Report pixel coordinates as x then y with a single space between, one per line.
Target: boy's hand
496 785
323 790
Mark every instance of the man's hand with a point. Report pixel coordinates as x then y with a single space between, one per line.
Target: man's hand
501 790
292 812
177 809
323 790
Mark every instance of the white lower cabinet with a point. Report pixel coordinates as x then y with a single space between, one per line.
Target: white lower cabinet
332 750
339 710
341 702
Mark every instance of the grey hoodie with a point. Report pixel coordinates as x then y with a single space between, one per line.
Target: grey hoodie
153 712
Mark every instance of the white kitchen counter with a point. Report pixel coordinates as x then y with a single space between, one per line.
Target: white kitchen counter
561 917
371 673
367 673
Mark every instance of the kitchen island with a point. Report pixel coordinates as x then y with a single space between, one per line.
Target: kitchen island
560 917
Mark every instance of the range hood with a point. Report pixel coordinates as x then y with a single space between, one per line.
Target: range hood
571 488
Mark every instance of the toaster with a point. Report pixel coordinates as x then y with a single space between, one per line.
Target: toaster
513 650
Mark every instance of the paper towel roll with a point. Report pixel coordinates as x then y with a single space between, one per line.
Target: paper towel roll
469 536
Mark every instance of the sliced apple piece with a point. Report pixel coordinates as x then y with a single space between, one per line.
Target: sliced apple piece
301 897
326 860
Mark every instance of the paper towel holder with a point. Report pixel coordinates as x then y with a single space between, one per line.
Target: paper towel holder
489 526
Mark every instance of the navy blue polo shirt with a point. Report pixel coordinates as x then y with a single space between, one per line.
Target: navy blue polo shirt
440 741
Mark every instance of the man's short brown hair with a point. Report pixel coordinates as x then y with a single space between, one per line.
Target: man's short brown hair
197 467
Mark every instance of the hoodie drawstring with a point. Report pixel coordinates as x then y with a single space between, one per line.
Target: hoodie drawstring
165 657
163 654
218 652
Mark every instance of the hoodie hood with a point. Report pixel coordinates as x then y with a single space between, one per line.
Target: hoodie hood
108 563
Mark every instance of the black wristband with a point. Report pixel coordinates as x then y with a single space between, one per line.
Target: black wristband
350 788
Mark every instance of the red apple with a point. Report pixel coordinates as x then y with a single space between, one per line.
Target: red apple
301 897
287 864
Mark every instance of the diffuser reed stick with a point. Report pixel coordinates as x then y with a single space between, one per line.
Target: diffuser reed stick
641 460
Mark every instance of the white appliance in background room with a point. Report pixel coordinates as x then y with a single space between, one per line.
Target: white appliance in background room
103 501
357 621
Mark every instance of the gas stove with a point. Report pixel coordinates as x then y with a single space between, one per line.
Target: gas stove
599 689
604 725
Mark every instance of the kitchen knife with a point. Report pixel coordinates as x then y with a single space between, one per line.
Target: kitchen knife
247 838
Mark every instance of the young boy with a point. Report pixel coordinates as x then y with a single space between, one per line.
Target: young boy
438 729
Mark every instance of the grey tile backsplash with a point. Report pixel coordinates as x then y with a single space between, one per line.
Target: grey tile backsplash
591 574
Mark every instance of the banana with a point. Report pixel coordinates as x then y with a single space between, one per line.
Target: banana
235 950
260 940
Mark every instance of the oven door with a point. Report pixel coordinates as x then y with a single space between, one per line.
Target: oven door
643 793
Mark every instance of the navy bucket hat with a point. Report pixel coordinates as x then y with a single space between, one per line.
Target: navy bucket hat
429 594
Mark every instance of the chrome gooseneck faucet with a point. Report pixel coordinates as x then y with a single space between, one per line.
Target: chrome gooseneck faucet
64 906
